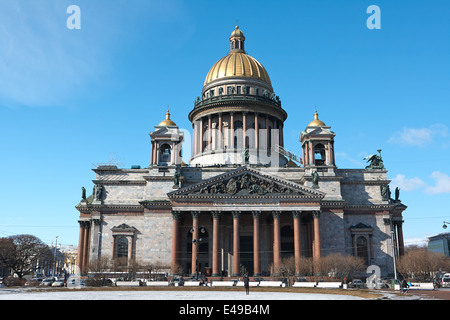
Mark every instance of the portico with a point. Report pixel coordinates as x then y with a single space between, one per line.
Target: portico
249 229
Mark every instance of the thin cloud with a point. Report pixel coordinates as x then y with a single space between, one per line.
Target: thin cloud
441 183
407 184
419 137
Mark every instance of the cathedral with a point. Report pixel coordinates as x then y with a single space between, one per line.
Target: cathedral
244 202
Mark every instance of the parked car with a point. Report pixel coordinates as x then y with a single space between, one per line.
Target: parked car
301 280
47 282
177 282
357 283
446 280
390 282
58 283
33 282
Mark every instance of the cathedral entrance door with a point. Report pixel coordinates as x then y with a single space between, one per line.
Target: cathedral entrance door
246 254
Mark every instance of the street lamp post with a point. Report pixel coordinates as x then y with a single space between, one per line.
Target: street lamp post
445 224
393 247
54 255
196 242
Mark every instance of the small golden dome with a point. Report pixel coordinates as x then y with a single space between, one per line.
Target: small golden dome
316 122
167 121
237 33
237 63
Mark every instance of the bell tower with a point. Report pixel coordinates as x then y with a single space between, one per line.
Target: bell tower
166 143
318 144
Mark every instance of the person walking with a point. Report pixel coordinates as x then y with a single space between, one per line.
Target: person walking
405 286
246 284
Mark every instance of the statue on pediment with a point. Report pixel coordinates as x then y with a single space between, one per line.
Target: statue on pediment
176 179
246 184
315 179
232 186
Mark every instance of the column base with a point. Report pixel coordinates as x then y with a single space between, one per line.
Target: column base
216 275
257 274
235 274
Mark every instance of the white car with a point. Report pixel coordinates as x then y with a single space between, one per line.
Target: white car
58 283
47 282
446 280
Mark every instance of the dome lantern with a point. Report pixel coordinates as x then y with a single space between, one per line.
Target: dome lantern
237 40
237 64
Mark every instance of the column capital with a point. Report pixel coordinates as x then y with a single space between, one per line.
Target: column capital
195 214
84 223
276 214
296 214
176 214
236 214
215 214
256 214
316 214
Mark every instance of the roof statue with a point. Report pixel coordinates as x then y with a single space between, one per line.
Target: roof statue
376 162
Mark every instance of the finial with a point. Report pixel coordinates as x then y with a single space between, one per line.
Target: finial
168 113
316 115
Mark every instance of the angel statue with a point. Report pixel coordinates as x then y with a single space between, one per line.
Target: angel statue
376 162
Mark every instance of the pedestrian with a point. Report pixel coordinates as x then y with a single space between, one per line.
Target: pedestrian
405 286
246 284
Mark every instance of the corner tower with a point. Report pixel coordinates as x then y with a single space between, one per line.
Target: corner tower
318 145
238 119
166 142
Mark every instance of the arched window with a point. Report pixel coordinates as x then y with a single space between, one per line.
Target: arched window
122 247
165 153
319 154
362 249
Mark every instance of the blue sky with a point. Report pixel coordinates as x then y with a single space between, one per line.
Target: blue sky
71 99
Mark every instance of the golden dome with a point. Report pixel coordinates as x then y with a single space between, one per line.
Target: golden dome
237 63
167 122
316 122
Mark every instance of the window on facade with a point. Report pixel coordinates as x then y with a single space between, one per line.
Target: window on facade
319 151
362 250
165 153
122 247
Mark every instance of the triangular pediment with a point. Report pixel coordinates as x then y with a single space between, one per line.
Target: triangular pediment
246 182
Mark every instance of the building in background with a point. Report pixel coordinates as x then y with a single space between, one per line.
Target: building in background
439 243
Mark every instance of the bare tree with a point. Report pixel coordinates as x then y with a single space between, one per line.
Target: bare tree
337 265
21 253
421 264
